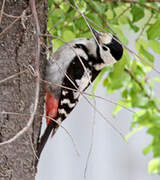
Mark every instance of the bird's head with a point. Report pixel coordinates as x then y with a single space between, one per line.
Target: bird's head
110 49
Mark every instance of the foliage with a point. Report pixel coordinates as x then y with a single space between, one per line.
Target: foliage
130 75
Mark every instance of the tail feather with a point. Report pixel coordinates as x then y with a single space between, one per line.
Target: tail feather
50 127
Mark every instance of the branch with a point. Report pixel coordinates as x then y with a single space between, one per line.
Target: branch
91 145
13 76
144 27
141 86
99 112
124 46
67 1
8 27
88 94
67 132
104 22
17 18
122 13
134 78
137 2
2 9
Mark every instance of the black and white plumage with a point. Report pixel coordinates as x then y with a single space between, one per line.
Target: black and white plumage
70 60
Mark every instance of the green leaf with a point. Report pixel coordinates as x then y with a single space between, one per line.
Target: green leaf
155 45
134 130
141 42
56 44
118 77
120 34
148 55
154 166
125 93
150 119
134 27
80 24
138 99
64 6
153 31
120 105
137 13
141 118
99 7
50 3
123 20
95 18
109 14
147 149
68 35
156 79
57 14
98 79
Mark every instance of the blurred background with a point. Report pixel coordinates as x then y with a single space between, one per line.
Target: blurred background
111 157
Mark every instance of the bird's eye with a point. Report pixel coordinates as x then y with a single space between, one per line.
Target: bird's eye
105 48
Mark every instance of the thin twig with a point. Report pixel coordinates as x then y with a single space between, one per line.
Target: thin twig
134 78
14 17
86 22
79 58
91 21
2 9
39 115
34 152
99 112
8 27
141 4
88 94
122 13
13 76
141 86
22 16
37 89
102 17
141 59
91 144
145 25
124 46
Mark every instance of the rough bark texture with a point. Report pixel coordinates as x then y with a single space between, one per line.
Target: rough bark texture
17 51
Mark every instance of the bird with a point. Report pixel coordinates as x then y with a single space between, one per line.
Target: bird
73 67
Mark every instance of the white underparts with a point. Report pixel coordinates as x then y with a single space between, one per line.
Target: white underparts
107 58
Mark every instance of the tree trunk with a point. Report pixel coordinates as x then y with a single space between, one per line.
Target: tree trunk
18 45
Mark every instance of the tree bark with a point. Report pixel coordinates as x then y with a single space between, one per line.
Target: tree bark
18 46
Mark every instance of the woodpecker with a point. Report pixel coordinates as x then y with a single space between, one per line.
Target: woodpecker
74 65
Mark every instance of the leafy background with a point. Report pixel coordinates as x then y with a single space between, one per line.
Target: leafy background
130 76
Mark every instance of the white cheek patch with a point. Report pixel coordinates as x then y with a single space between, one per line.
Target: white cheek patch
107 58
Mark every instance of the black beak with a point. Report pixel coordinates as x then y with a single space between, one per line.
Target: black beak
96 33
